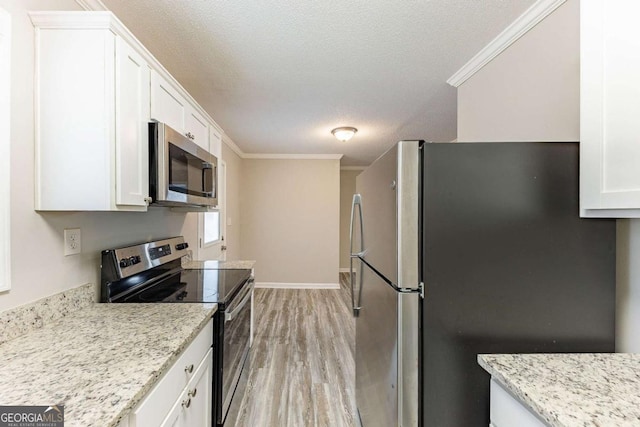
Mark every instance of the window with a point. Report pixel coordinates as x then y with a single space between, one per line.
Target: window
211 227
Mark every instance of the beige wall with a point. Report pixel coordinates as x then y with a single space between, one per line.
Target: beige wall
531 91
539 99
38 266
234 185
347 190
290 219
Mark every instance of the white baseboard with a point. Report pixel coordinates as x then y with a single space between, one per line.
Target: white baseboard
279 285
344 270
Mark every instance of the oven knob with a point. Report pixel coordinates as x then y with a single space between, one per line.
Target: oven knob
181 246
133 260
124 263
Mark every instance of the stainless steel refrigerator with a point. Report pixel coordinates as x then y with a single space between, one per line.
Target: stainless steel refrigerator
460 249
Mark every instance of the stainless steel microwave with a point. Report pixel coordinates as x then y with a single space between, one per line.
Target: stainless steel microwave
181 173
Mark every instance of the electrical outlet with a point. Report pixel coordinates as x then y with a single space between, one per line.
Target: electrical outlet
72 241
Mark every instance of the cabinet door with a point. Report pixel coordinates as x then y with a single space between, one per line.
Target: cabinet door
199 413
132 124
215 142
609 106
193 408
167 106
196 128
506 410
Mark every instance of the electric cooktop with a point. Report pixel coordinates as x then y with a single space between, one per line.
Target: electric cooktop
152 272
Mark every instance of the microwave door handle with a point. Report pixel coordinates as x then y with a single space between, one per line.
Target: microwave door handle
206 166
357 203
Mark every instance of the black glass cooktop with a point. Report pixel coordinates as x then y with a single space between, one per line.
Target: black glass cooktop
214 286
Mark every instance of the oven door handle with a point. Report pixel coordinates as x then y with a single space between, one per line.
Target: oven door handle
230 315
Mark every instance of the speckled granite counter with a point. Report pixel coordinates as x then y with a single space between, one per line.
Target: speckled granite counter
218 265
100 361
568 390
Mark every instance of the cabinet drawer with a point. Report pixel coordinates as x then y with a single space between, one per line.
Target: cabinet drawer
193 407
157 404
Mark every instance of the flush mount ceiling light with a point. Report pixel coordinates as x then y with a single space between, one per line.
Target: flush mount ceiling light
344 133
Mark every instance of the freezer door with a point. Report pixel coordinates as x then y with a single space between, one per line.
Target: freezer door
386 353
509 267
389 197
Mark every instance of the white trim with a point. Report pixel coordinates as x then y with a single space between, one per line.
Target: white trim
96 5
529 19
293 156
352 168
106 19
232 145
344 270
5 150
276 285
97 15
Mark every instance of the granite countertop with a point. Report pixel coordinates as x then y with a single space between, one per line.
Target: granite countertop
218 265
100 361
570 390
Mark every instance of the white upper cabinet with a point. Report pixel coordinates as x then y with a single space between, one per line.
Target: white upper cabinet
610 109
132 126
92 115
215 141
96 90
197 128
169 107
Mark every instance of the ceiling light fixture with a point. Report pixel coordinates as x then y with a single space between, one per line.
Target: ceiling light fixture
344 133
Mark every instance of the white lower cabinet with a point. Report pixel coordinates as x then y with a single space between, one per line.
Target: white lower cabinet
508 411
193 407
182 397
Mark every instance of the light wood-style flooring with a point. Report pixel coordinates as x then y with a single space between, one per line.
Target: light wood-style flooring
302 370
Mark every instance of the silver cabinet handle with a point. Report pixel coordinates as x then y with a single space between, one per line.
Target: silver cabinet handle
186 403
357 203
189 369
193 392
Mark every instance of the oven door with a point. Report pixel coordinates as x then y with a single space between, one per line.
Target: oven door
235 348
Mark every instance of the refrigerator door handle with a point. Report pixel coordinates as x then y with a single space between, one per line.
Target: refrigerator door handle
357 202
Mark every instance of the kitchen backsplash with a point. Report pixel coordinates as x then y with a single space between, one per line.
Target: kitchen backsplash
25 318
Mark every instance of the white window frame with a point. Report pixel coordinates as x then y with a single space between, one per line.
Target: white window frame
205 249
5 150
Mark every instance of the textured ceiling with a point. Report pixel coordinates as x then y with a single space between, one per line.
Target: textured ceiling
279 75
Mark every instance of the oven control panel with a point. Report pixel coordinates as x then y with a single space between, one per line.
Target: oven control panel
159 251
134 259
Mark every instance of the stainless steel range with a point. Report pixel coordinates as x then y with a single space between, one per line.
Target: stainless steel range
153 273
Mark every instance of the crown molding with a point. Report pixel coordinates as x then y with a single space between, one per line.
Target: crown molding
529 19
352 168
293 156
233 146
109 20
95 5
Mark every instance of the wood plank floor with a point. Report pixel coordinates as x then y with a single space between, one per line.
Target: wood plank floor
302 370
